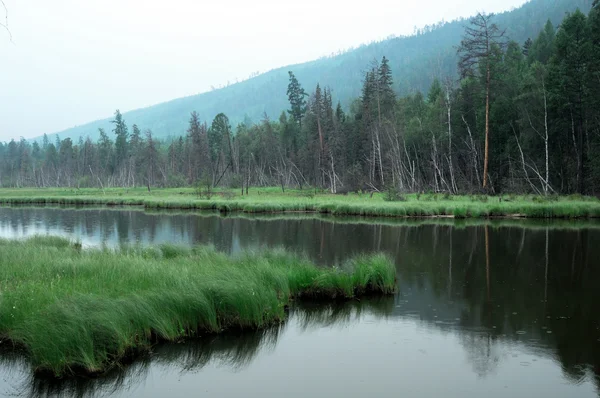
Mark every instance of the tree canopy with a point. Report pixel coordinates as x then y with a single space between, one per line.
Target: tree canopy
525 116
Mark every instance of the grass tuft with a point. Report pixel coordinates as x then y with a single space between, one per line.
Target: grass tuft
79 310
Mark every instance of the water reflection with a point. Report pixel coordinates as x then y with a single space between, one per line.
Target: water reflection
508 296
233 350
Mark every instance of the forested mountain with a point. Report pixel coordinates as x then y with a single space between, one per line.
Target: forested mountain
415 60
519 116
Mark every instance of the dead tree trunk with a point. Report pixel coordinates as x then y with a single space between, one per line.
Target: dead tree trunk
477 49
547 185
486 156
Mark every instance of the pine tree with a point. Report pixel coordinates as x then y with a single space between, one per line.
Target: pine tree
135 149
340 116
151 157
45 142
297 99
476 52
594 32
527 46
197 151
220 142
543 46
435 91
65 157
385 86
136 137
105 149
50 162
57 142
570 74
594 86
121 143
318 110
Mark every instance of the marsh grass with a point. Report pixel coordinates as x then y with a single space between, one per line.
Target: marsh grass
269 200
76 310
454 221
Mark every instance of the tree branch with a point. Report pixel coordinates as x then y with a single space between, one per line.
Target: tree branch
5 23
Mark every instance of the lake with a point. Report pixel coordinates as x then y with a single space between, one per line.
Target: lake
494 309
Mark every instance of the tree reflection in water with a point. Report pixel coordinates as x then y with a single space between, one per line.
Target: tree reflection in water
533 283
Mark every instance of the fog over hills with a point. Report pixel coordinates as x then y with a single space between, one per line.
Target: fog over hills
416 60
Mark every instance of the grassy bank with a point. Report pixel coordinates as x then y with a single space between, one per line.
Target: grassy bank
76 310
269 200
407 222
577 223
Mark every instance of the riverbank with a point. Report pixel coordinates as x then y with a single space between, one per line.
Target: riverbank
270 200
85 311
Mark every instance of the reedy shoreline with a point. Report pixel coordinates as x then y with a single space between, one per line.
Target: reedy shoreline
85 311
269 200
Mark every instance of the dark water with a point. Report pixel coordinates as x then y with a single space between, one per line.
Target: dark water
485 309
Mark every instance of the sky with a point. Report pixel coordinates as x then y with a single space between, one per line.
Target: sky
72 61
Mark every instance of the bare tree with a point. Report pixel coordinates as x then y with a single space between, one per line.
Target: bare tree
539 91
476 51
472 148
5 23
448 103
543 181
151 159
545 136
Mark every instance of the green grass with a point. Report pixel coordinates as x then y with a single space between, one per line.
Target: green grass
233 350
75 310
270 200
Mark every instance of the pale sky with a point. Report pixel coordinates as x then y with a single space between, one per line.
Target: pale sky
74 61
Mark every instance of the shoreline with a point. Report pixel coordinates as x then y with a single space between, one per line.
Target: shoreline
83 312
494 222
431 207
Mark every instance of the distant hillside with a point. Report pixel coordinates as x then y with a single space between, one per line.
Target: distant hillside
415 60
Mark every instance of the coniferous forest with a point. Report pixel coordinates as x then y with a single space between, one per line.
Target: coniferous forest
519 117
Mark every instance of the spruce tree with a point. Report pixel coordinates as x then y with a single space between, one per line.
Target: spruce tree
194 135
220 141
527 46
340 116
543 47
297 98
135 149
569 72
317 110
594 86
45 142
122 134
385 86
151 157
435 91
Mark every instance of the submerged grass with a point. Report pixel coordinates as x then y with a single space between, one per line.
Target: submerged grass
78 310
268 200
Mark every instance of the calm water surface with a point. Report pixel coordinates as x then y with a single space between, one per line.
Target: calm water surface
489 309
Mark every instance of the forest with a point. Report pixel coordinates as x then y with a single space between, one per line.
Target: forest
518 117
